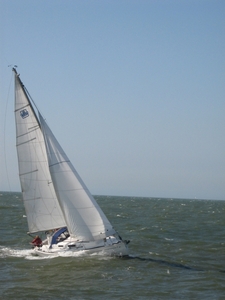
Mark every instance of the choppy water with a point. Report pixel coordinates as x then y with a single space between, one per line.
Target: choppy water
177 251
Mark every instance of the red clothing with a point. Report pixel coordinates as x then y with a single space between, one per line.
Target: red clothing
36 241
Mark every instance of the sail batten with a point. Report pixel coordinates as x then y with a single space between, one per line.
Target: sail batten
28 172
26 141
60 162
38 198
30 130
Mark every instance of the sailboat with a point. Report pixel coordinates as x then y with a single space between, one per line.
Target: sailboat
57 201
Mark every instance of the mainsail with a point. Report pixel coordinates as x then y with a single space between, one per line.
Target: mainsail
40 201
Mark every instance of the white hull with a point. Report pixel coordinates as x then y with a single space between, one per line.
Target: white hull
118 249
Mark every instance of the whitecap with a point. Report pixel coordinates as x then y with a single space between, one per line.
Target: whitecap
143 228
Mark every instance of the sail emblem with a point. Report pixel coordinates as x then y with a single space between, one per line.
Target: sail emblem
24 113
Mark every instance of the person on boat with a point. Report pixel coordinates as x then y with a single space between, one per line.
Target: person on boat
37 241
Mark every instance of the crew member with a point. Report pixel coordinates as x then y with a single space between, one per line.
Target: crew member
37 241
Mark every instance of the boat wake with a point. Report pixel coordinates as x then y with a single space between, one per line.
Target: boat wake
28 254
9 252
169 264
162 262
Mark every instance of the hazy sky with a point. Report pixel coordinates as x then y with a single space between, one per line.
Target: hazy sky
133 90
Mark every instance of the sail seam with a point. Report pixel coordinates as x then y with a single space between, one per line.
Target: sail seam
26 142
22 107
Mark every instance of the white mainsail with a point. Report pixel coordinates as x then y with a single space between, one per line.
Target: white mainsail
85 219
40 201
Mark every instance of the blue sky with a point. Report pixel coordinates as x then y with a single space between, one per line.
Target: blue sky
133 90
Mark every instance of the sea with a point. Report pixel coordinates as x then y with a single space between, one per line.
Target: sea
176 251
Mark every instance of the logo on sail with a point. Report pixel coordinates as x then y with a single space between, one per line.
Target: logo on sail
24 113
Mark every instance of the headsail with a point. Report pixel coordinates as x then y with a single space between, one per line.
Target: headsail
41 205
85 219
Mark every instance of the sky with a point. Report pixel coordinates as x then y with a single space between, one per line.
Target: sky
133 90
